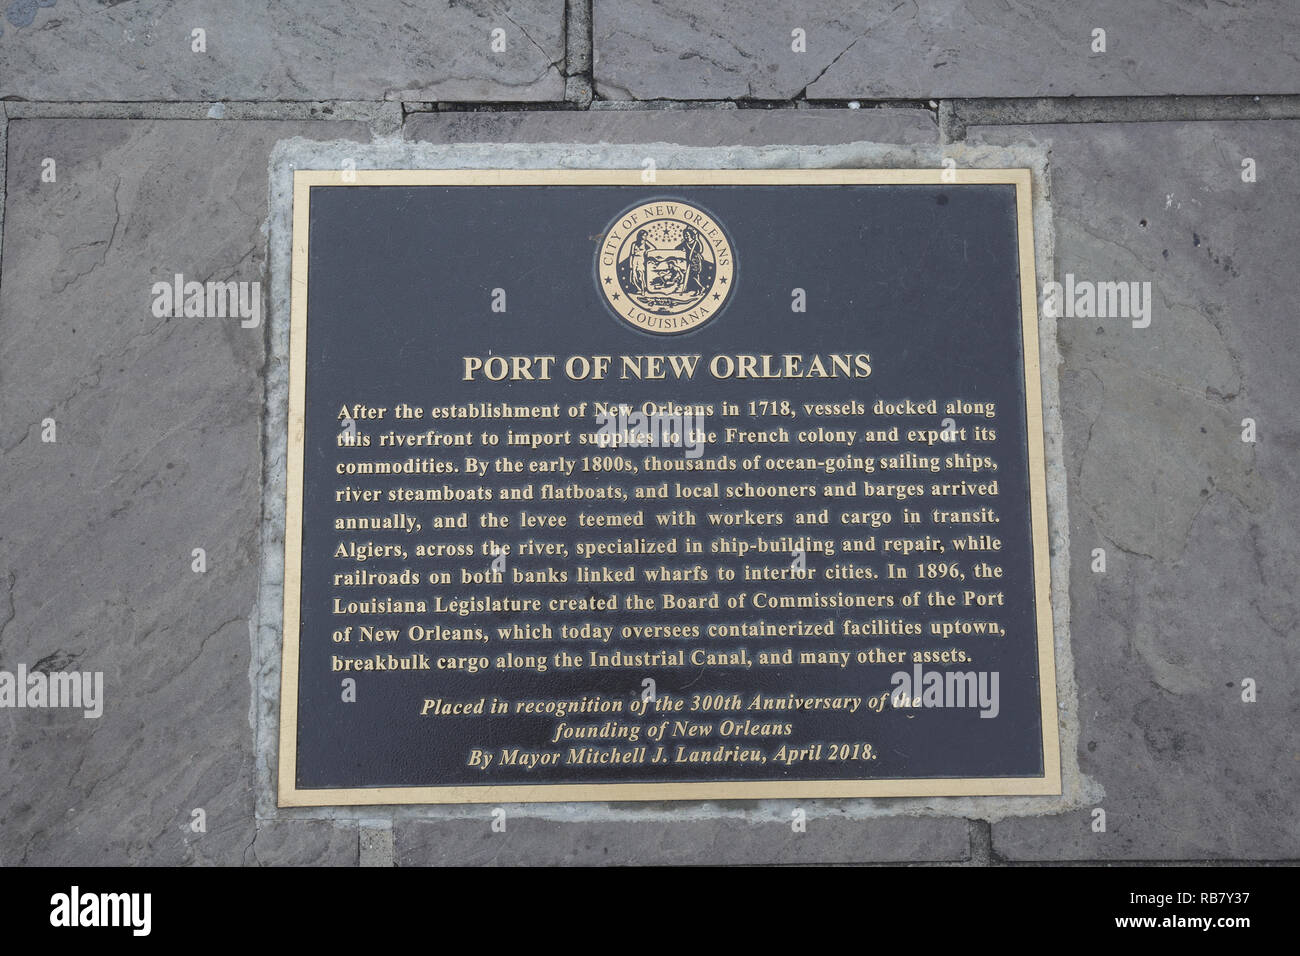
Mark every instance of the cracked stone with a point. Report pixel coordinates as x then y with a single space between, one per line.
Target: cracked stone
675 49
358 50
158 453
303 843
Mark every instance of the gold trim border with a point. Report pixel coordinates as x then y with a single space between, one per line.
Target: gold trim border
1047 785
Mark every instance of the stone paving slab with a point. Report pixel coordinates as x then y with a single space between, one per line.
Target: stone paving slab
538 842
303 843
157 452
696 127
302 50
679 49
1199 528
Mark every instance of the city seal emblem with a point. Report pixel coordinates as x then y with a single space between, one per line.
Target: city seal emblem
665 267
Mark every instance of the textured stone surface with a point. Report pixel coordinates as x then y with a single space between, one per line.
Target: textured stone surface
535 842
157 453
303 843
695 127
376 845
361 49
1199 528
678 49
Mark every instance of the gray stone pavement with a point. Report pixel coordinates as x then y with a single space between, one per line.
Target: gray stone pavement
684 50
531 841
158 446
253 50
157 453
1200 528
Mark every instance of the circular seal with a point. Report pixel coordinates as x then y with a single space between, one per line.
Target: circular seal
665 267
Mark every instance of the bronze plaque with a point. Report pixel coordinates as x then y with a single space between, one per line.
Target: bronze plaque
726 485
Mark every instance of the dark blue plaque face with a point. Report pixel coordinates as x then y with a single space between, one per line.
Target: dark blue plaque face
725 488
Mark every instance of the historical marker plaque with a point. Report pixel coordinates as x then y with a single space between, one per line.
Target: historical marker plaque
728 485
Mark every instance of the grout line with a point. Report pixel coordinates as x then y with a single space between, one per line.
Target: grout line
950 128
578 53
981 843
362 110
1122 862
375 844
548 106
956 112
953 115
4 173
976 111
578 49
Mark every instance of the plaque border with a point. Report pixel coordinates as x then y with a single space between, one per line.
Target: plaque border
288 793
